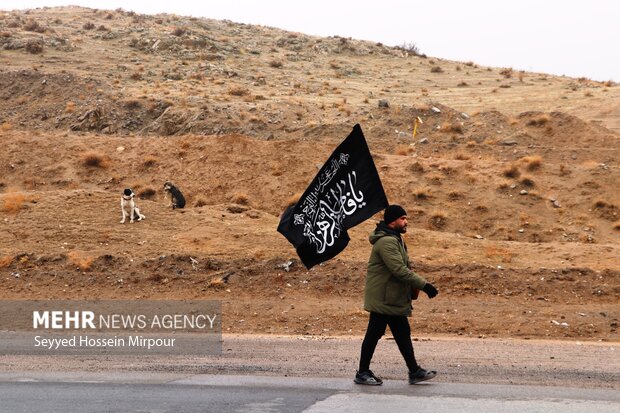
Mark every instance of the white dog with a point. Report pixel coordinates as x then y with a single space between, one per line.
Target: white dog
134 212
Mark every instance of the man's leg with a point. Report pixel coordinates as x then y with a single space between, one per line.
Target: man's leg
375 330
399 325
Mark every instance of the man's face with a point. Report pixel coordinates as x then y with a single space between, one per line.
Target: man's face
399 225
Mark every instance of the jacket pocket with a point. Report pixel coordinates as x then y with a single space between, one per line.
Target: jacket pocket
396 293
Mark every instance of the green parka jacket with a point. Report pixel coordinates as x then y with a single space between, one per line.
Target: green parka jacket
389 280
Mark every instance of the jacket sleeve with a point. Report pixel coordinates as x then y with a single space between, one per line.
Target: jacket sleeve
392 258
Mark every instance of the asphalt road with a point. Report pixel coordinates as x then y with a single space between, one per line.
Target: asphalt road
314 374
162 392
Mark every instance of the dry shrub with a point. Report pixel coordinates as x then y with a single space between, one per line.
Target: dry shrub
5 261
410 47
33 26
494 252
197 76
216 283
451 127
150 161
178 31
147 193
84 263
532 163
34 46
438 220
155 277
238 91
540 120
132 104
447 170
6 126
200 202
606 210
470 179
240 198
511 171
403 150
70 107
422 193
94 160
454 195
507 73
527 180
277 169
435 179
88 26
13 202
436 69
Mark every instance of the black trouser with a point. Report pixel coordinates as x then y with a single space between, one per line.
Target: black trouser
399 325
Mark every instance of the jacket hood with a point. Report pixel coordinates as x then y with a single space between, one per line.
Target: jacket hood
382 230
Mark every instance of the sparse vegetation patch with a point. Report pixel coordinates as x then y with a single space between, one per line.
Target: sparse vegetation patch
13 202
93 159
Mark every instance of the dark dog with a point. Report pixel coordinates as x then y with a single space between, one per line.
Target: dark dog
176 197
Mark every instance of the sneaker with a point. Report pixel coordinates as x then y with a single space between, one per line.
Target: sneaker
367 377
421 375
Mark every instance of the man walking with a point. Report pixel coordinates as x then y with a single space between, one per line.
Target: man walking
390 287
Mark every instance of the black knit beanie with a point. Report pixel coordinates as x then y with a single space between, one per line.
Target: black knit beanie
392 213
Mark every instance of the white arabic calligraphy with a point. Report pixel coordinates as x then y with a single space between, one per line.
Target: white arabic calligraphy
324 224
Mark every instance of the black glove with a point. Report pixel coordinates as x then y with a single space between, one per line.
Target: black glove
430 290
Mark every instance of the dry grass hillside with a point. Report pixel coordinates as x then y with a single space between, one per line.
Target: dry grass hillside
511 182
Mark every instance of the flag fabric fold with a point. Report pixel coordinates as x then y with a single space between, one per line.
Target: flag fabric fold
346 191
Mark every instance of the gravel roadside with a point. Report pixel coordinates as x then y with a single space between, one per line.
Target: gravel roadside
457 360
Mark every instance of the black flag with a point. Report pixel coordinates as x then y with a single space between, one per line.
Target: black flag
346 191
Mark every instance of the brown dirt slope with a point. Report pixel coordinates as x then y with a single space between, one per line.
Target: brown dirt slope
510 183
